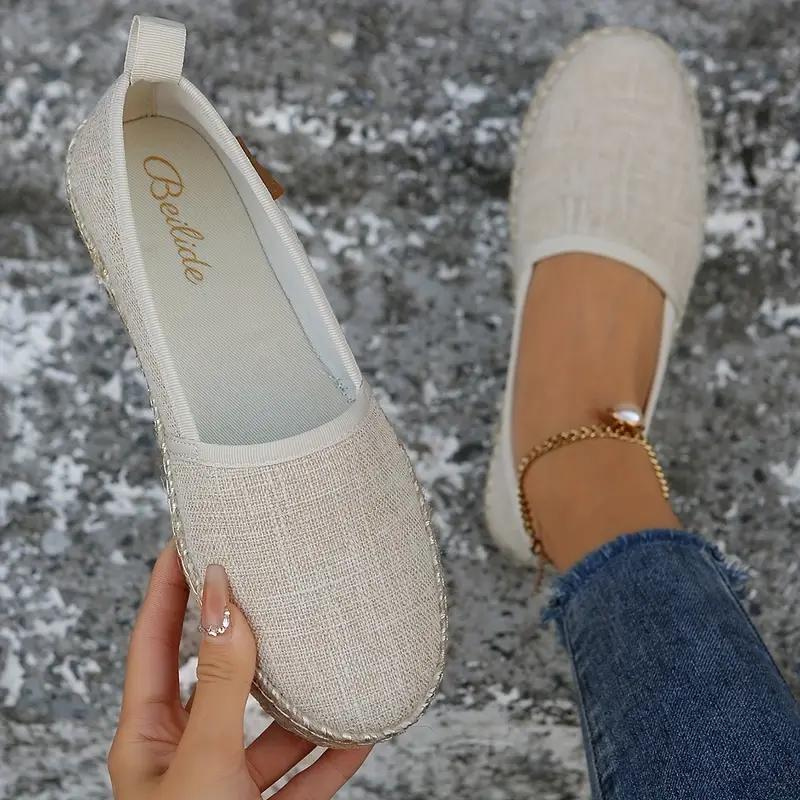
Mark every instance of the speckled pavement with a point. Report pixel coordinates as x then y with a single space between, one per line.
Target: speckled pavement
392 126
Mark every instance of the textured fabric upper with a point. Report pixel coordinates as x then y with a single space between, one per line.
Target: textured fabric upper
329 554
331 560
615 153
91 175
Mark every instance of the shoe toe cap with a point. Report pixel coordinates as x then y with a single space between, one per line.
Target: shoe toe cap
612 149
358 662
332 560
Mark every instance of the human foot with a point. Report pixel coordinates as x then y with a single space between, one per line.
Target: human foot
608 203
575 360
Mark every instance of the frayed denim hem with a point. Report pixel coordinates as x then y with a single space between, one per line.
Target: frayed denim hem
564 586
678 696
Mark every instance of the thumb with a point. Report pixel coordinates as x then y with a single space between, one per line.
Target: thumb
225 668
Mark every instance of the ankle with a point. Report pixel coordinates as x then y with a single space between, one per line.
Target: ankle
589 341
589 493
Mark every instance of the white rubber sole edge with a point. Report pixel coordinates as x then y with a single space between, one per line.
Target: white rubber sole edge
501 510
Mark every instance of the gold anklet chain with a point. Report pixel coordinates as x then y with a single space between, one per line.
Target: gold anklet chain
624 423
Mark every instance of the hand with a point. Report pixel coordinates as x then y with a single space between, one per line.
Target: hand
163 751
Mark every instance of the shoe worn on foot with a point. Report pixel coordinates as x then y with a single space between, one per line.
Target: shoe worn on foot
610 162
279 464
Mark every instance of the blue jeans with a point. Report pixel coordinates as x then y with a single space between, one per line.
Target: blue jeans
679 697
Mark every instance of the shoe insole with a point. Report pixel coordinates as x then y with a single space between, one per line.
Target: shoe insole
247 368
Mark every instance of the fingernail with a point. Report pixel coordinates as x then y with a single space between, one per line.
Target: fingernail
215 617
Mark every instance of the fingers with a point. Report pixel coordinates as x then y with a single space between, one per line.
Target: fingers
325 776
151 674
274 753
225 668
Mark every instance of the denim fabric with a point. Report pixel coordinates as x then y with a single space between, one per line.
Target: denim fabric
679 697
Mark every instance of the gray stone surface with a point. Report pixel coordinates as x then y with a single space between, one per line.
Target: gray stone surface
392 125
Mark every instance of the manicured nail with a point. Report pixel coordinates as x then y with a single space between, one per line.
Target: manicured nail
215 617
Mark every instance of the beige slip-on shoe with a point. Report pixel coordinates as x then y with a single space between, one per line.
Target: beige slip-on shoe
610 162
279 463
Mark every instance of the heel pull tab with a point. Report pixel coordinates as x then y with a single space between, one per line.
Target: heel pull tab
155 50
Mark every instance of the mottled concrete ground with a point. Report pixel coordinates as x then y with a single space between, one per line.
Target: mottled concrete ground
392 125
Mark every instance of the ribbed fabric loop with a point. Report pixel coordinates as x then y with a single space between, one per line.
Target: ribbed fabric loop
155 50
